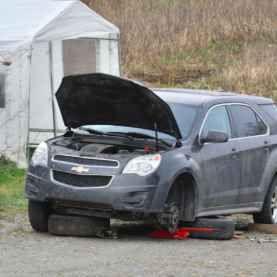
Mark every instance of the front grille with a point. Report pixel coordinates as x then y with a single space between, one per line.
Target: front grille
81 180
83 161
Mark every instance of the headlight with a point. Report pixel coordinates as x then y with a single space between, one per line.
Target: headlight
41 155
143 165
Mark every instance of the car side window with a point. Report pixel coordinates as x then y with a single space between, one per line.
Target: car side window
217 120
271 110
261 125
247 122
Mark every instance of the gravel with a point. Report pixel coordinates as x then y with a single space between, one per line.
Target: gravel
24 252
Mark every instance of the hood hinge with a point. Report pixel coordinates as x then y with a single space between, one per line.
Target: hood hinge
178 143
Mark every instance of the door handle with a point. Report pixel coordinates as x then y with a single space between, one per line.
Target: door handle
234 152
266 144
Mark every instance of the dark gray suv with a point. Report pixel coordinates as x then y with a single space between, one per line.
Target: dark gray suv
168 155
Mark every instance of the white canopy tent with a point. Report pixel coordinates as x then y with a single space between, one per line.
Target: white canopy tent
40 42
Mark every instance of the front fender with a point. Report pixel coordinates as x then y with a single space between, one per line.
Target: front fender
180 164
174 166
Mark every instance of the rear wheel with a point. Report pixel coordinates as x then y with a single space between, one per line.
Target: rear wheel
39 213
268 214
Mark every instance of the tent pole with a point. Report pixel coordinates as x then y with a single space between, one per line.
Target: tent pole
29 100
119 54
52 88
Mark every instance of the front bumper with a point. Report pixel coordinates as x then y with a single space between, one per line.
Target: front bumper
121 194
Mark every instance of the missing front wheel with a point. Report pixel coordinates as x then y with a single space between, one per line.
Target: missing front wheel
168 220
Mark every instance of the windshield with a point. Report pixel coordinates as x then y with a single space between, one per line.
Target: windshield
185 116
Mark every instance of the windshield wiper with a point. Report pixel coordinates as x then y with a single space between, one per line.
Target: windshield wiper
142 135
97 132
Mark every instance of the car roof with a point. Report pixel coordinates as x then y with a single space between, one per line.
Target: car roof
198 97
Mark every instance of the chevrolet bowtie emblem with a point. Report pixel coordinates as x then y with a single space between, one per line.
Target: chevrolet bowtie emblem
80 169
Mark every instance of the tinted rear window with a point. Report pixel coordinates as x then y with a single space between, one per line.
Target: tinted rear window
245 121
271 110
262 126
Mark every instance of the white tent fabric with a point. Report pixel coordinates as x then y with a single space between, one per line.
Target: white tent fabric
32 37
4 61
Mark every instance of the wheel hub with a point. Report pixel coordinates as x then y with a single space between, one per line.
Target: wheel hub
168 220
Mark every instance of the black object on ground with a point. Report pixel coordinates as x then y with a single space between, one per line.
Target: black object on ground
223 228
81 226
106 233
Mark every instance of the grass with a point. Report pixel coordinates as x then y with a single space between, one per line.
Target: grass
11 186
195 43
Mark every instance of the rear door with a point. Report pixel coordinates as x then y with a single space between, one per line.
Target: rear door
252 134
221 161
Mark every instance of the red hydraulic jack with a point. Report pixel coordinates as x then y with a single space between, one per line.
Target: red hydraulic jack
180 233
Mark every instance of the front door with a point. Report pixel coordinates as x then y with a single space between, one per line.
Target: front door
221 162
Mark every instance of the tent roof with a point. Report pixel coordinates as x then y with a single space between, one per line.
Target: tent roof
24 21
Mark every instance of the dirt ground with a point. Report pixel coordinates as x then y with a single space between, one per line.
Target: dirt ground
24 252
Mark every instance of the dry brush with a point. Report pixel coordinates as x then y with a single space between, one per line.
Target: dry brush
195 43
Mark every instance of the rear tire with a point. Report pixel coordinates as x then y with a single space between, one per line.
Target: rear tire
223 228
39 213
268 215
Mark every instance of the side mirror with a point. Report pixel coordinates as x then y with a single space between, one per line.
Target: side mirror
214 137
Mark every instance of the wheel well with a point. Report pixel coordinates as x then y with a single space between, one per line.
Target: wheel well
183 193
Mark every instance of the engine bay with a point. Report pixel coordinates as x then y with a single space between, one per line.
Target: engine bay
103 147
86 149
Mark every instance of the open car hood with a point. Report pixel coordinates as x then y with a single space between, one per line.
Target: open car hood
102 99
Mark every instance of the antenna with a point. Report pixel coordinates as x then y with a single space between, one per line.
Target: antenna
223 89
156 132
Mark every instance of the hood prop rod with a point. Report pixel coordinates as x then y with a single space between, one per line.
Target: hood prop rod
70 131
156 133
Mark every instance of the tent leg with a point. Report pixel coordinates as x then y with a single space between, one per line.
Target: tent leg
52 88
28 135
119 55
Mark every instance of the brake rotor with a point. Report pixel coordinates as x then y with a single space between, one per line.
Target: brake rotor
170 229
